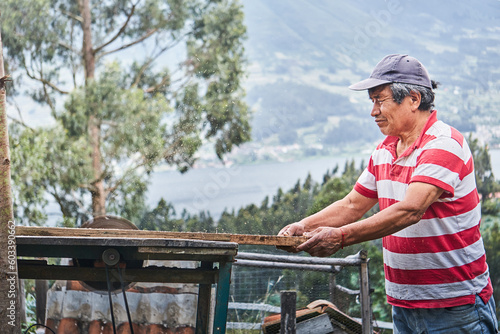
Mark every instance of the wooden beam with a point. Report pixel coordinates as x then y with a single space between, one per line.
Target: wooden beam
30 270
243 239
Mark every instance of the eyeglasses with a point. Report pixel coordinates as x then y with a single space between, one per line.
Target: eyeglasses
379 102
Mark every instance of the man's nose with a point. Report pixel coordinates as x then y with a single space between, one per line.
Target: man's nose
375 109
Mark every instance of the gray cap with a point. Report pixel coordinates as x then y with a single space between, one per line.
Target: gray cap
396 68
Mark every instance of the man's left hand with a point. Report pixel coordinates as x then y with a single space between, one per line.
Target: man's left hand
324 241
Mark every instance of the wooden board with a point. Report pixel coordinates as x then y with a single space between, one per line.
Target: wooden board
243 239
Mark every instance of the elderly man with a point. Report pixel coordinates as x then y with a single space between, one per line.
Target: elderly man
422 176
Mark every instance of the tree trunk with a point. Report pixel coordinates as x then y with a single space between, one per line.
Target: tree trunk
9 283
87 48
94 129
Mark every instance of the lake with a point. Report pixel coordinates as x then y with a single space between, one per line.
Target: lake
215 189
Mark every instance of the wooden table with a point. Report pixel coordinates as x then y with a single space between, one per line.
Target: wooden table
214 260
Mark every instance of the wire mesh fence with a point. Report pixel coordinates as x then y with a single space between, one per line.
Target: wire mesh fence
255 293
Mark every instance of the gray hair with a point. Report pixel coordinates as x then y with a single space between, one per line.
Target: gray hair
402 90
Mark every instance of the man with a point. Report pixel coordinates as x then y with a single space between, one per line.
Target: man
422 176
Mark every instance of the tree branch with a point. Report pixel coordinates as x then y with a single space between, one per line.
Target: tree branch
45 82
59 200
4 79
141 72
162 82
123 47
73 16
18 111
80 204
122 29
68 47
20 122
49 101
122 179
86 186
158 54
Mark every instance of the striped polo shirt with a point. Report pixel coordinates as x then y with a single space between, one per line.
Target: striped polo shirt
439 261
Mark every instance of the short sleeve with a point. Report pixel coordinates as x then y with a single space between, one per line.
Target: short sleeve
441 163
366 184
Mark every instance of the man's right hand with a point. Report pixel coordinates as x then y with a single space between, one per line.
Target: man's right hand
295 229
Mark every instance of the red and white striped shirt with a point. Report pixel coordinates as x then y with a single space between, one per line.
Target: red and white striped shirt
439 261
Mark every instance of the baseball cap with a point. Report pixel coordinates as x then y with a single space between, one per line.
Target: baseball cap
396 68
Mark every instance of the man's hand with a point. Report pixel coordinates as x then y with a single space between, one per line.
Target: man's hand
295 229
324 241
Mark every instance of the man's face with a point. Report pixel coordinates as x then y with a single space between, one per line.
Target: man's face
389 115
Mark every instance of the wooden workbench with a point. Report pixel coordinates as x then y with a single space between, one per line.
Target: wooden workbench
214 261
214 253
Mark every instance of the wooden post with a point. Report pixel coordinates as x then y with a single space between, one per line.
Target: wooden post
333 288
9 283
41 288
288 309
22 302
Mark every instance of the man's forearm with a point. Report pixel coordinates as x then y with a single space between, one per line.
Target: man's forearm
386 222
340 213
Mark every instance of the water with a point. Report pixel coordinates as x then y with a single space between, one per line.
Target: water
215 189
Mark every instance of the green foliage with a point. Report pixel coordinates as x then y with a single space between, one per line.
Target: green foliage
269 218
45 162
336 188
161 218
491 238
116 120
30 302
491 206
485 180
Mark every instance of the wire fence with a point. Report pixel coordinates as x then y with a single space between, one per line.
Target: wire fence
255 292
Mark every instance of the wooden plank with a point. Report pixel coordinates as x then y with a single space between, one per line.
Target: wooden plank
124 242
243 239
317 325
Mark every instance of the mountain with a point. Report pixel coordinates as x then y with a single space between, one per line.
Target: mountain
304 53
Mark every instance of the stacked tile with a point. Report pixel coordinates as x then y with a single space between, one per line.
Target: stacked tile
155 308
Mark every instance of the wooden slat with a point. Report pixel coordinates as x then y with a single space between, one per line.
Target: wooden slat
243 239
152 274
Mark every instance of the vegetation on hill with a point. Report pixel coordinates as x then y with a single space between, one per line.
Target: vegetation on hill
305 66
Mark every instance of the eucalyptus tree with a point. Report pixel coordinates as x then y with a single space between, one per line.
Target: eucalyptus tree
9 291
130 84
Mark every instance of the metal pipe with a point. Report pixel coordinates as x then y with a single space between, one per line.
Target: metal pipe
281 265
366 305
352 260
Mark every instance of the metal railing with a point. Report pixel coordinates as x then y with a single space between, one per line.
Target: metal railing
327 265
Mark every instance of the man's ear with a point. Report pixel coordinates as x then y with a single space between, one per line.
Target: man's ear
415 99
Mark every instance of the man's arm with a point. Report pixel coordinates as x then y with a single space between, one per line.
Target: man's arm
342 212
325 241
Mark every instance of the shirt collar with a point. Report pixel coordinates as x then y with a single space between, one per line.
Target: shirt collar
390 142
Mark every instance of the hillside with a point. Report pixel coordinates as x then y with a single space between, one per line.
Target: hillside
304 53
